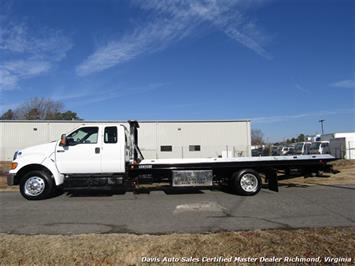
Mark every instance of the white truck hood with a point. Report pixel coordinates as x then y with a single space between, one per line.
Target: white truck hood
44 150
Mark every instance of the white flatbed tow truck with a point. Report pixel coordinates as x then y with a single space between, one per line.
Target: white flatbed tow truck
107 156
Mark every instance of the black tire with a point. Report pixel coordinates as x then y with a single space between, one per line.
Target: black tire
42 182
241 187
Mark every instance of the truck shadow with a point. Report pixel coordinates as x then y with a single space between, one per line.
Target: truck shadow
92 193
165 190
339 186
144 190
293 185
287 177
169 190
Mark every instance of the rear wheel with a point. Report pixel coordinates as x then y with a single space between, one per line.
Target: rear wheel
246 182
36 185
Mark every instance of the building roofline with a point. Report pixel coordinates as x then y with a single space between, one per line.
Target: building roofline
124 121
341 132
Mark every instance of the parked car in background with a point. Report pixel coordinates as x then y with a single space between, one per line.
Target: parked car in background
285 150
256 152
302 148
260 152
275 151
319 147
291 151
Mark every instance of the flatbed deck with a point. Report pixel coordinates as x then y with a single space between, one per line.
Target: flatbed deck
275 161
326 157
225 169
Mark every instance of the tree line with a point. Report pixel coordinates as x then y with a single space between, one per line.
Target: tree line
257 138
40 109
299 138
48 109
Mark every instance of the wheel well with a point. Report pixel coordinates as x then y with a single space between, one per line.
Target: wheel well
28 168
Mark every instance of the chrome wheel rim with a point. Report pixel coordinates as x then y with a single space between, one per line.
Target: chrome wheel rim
34 186
249 182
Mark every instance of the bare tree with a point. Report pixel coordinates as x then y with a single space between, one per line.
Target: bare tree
257 137
40 109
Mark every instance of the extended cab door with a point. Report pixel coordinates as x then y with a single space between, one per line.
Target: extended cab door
113 150
82 154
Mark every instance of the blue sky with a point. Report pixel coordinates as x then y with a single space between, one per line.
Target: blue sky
282 64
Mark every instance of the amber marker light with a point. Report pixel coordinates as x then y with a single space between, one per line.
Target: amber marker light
13 166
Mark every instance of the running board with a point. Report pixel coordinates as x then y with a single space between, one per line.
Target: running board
87 181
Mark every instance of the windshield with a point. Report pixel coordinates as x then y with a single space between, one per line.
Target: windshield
315 146
83 135
299 146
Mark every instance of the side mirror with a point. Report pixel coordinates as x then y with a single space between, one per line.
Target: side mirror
63 140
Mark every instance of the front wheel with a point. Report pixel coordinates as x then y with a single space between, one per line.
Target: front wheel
246 182
36 185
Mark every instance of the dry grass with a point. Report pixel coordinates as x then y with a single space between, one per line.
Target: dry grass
127 249
346 175
3 182
4 167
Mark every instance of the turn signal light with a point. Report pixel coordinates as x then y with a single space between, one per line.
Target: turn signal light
13 166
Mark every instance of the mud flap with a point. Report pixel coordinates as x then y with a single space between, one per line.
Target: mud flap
272 180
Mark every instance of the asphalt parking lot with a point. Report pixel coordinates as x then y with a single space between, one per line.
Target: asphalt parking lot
159 212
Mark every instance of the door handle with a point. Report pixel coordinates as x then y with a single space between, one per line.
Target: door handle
97 150
60 150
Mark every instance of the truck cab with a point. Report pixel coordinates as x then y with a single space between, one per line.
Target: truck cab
302 148
91 150
320 147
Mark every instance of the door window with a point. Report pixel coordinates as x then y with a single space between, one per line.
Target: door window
84 135
110 135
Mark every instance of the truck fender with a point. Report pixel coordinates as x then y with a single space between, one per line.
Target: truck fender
49 163
37 162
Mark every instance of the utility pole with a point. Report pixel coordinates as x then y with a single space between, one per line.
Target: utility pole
321 123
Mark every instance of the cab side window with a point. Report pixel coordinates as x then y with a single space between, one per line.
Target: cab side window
84 135
110 135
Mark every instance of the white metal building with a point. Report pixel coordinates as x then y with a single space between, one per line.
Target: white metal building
342 144
157 139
